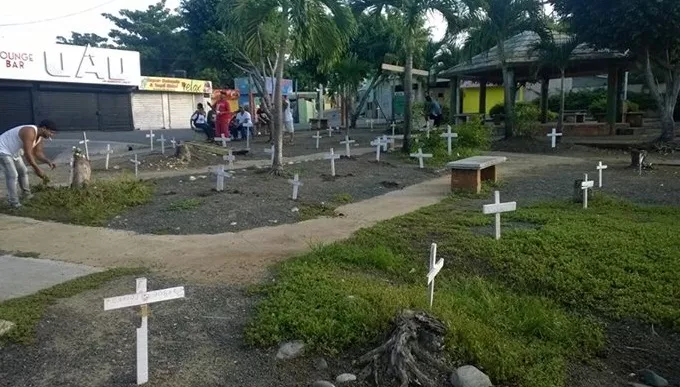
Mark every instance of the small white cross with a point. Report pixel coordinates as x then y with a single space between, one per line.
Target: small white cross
600 167
394 125
174 143
150 136
143 298
378 143
136 162
585 186
271 151
109 152
330 131
296 185
229 158
420 156
248 125
332 157
162 141
85 141
449 136
385 141
221 174
435 268
224 140
347 143
428 127
497 208
554 136
317 137
370 122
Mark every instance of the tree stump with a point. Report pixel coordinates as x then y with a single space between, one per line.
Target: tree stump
82 171
183 153
635 157
411 354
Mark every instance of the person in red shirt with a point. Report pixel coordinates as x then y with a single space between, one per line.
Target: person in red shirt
223 116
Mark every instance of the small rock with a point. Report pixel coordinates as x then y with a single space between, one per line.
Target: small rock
273 221
290 350
322 383
320 364
5 327
652 379
192 178
469 376
203 177
116 167
234 223
295 209
345 378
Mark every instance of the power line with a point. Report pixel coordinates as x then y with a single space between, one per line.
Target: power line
58 17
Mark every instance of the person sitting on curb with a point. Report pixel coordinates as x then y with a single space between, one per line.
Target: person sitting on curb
12 142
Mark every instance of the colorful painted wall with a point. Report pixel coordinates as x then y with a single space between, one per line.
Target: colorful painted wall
494 96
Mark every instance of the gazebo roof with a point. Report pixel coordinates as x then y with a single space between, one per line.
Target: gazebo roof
522 57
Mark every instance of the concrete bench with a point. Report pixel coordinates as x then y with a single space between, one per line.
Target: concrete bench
468 174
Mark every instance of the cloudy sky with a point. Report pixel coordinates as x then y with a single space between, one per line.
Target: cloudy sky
41 21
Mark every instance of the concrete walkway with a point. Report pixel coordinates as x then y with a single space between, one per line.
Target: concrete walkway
242 257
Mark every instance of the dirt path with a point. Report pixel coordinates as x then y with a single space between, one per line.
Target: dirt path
241 257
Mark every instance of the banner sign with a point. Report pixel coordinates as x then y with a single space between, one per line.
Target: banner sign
175 85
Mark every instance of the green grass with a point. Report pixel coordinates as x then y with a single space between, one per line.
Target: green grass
185 205
91 206
27 311
344 198
309 210
521 308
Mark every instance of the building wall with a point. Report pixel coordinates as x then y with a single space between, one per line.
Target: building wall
494 95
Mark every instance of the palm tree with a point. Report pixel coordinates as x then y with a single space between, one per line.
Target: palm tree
413 13
554 52
346 77
494 22
303 29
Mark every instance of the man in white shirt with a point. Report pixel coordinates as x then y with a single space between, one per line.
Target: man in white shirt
244 121
12 142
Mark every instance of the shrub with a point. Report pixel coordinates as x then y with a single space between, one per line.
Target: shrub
598 107
497 110
527 116
577 100
632 107
473 135
644 101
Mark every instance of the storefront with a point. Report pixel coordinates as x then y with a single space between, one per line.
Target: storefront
79 88
168 103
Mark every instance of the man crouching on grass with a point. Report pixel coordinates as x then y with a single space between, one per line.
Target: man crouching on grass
12 142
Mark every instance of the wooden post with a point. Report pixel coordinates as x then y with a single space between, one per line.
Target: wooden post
545 90
454 85
612 94
482 96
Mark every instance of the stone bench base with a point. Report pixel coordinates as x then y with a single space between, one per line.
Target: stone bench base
471 179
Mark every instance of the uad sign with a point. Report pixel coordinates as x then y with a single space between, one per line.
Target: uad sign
73 64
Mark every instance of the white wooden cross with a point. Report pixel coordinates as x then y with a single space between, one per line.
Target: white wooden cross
385 141
224 140
435 268
248 125
585 186
497 208
296 185
143 298
229 158
174 143
317 137
150 136
428 127
449 136
136 162
271 151
330 131
420 156
84 141
370 122
347 144
162 141
554 136
109 152
394 125
221 174
332 157
378 144
600 167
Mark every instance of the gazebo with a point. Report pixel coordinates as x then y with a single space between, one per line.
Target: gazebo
524 64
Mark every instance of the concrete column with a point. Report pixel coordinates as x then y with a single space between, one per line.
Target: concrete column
612 95
620 78
454 85
545 90
482 96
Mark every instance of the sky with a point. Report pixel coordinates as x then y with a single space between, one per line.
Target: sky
16 12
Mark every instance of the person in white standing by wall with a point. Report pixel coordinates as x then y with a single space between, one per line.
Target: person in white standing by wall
288 125
12 142
243 117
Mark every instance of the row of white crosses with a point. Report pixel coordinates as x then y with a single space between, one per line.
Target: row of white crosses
589 184
143 298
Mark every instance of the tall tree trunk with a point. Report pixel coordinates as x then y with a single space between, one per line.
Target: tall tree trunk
408 103
563 97
666 103
278 95
508 85
375 82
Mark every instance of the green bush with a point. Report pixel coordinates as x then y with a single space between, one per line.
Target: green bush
598 107
473 135
577 100
497 110
632 107
644 101
526 119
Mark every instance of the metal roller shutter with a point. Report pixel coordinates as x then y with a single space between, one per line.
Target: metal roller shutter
70 111
15 108
115 112
181 108
147 111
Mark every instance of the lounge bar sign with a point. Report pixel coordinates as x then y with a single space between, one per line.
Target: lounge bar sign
175 85
71 64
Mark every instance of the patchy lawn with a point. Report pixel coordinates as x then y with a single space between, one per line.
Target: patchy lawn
521 308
